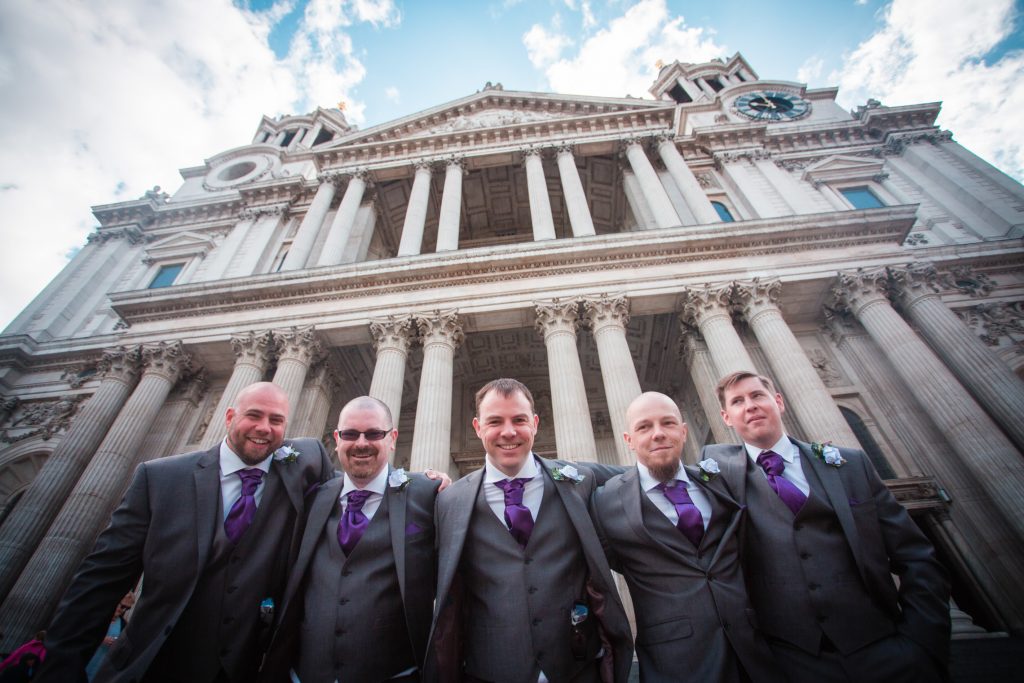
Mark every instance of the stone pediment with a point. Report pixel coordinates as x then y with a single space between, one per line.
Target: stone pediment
839 167
184 244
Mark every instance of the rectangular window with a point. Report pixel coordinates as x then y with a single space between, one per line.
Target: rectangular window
861 197
679 95
715 84
166 275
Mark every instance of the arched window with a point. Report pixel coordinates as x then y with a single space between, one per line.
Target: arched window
869 444
723 212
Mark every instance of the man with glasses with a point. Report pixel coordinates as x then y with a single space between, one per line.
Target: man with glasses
358 602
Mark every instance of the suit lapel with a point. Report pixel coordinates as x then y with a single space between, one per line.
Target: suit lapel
291 477
633 499
461 510
733 463
723 506
207 487
323 505
397 501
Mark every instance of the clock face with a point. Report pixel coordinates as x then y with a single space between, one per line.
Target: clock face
768 105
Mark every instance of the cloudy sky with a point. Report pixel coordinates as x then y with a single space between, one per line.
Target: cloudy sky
104 100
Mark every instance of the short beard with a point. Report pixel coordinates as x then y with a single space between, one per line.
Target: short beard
664 473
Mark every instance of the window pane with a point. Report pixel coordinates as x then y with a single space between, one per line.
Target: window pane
166 275
861 198
723 212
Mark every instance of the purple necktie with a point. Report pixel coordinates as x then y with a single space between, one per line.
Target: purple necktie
690 521
240 516
773 466
517 515
353 522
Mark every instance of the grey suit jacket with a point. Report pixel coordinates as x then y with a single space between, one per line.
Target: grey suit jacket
454 512
882 537
164 527
693 618
411 527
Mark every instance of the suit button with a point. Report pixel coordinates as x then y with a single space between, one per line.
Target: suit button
346 572
339 631
528 560
711 577
343 601
536 622
813 586
804 555
532 590
725 625
798 527
232 589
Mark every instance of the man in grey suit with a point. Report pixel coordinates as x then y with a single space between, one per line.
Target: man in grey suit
213 533
823 537
359 601
674 532
524 591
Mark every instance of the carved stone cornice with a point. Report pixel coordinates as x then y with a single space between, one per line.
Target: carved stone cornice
557 317
533 151
166 359
441 327
8 404
860 288
895 143
736 155
606 311
253 348
254 212
40 418
121 364
967 280
994 322
423 165
704 303
299 344
132 234
756 297
392 333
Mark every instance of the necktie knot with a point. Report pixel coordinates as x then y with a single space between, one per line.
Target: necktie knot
690 522
353 522
356 499
771 462
517 516
675 491
241 514
251 479
773 466
513 489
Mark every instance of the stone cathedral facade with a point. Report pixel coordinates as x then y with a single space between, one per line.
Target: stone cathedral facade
592 247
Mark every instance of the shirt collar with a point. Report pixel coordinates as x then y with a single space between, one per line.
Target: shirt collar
647 482
492 474
376 485
231 463
784 447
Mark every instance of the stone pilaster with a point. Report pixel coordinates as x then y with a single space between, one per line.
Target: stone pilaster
302 244
805 394
252 354
572 189
996 465
695 353
441 333
540 203
87 510
650 185
607 318
710 310
416 213
315 401
39 505
557 322
391 339
451 207
982 372
297 349
333 250
691 190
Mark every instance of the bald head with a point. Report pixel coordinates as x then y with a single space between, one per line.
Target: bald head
256 422
649 400
656 433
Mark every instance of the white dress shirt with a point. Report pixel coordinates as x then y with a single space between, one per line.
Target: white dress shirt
533 490
231 483
648 485
376 488
794 471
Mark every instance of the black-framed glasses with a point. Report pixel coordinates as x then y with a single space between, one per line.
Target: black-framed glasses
354 434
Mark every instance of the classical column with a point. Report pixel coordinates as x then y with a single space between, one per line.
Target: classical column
39 505
391 339
441 333
631 188
650 185
540 203
451 207
224 252
297 349
705 378
982 372
416 213
572 189
302 244
805 394
687 183
333 251
793 193
252 354
574 434
710 310
87 510
995 463
314 413
607 317
751 183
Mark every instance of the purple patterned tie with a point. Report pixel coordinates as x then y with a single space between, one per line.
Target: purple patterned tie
773 466
517 515
690 521
353 522
242 512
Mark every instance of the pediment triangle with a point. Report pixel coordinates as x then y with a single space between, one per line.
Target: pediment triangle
183 239
839 162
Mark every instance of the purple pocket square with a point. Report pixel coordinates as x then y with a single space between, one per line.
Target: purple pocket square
854 502
412 528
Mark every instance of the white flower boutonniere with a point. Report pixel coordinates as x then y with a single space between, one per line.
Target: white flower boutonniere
708 469
828 453
398 479
286 454
567 472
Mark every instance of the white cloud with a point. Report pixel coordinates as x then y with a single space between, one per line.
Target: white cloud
104 100
810 71
931 50
391 92
621 58
544 47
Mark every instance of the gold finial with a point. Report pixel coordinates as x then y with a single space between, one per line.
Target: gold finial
659 64
341 105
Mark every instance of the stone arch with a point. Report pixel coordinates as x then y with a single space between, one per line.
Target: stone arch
19 466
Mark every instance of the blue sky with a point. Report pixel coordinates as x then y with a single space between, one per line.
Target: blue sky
102 101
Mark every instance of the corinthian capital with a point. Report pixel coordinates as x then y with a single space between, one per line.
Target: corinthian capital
253 348
856 289
710 300
440 327
298 343
757 296
392 333
606 311
913 281
166 359
557 316
121 363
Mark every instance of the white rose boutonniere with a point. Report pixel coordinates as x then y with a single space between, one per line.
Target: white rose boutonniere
708 469
398 479
286 454
828 453
567 472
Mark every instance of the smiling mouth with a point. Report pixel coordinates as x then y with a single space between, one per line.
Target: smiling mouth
509 446
259 442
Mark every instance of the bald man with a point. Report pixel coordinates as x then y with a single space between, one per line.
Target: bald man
214 532
673 531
